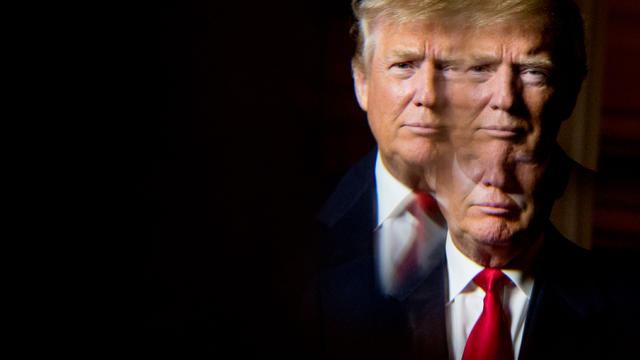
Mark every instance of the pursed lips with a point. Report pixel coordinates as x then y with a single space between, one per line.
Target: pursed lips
422 128
503 132
496 203
496 208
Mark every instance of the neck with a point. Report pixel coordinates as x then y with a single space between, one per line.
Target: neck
412 177
518 255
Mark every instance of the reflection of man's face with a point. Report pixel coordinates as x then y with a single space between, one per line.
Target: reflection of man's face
505 83
491 194
490 186
403 91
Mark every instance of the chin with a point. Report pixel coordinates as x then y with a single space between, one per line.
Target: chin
420 152
493 232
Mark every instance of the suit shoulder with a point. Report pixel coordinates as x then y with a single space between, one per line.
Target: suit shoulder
357 180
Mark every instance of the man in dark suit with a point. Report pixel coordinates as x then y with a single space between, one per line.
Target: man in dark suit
465 99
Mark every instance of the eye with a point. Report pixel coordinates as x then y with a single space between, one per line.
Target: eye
479 68
479 73
402 65
402 69
535 77
445 67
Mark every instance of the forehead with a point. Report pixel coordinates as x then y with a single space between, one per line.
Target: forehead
508 38
416 36
515 39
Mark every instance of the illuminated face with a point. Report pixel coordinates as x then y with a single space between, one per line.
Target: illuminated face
404 92
491 197
491 183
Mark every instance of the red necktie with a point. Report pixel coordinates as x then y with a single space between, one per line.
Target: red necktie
490 338
427 203
422 205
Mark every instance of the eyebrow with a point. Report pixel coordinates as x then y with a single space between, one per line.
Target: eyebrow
405 54
527 60
537 61
411 54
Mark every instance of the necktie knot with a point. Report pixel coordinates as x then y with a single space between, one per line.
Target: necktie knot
490 338
426 202
491 280
423 204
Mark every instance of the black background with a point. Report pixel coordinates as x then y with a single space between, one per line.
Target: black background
246 109
241 116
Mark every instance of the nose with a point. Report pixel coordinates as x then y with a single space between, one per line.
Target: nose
491 167
425 84
484 164
504 86
494 174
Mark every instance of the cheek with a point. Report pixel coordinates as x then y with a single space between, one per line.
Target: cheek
528 178
478 93
388 100
453 193
467 101
537 101
386 96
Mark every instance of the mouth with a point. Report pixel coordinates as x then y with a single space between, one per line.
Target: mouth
497 208
423 129
503 132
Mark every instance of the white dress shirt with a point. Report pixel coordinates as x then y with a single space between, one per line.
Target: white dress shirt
394 231
389 191
401 235
465 300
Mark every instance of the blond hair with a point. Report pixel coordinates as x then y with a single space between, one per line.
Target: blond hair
561 20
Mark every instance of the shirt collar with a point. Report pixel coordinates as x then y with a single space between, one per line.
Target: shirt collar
461 270
390 192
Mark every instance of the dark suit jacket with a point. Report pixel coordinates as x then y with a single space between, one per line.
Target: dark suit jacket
574 312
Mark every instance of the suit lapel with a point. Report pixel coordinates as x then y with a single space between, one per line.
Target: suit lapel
565 315
359 321
349 215
425 308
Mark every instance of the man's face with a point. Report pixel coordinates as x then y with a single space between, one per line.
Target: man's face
404 92
490 184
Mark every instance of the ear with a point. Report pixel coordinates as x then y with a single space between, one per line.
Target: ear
360 85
